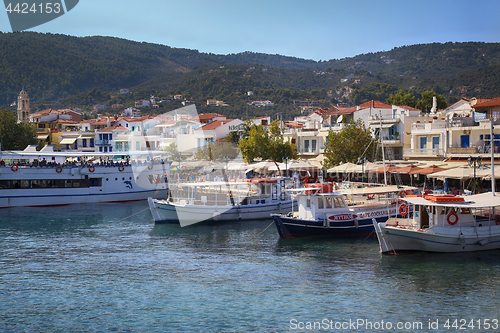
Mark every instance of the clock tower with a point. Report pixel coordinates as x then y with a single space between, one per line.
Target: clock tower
23 107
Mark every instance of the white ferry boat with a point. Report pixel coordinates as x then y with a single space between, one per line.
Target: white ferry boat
28 180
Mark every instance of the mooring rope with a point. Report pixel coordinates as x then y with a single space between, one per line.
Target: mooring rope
133 214
263 230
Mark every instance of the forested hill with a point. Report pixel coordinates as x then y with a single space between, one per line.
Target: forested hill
51 66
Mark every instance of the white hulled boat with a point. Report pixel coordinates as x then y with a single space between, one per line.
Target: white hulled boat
443 223
192 203
24 184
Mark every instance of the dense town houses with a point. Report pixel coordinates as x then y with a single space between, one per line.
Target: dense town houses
457 132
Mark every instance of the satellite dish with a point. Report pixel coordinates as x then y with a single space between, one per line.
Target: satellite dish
340 119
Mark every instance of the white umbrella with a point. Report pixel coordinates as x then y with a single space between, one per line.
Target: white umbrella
302 166
282 167
343 168
235 166
463 172
262 166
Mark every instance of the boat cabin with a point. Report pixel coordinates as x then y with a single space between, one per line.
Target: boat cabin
320 205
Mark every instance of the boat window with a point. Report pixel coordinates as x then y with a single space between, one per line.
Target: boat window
328 202
308 203
320 203
465 211
338 202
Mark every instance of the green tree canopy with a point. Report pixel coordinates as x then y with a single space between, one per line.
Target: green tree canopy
425 103
402 98
266 143
349 144
218 151
14 135
174 153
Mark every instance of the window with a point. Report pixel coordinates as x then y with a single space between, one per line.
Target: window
306 145
137 145
328 202
320 203
313 146
338 202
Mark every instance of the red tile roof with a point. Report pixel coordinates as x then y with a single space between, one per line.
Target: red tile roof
112 128
207 116
488 104
293 124
409 108
214 124
375 104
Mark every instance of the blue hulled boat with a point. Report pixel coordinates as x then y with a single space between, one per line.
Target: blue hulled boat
348 212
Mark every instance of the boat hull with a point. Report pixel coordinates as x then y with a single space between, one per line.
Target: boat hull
443 239
167 212
289 227
53 186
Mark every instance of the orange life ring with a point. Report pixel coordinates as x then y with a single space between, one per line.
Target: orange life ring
450 214
370 196
91 168
403 209
402 194
58 169
14 167
121 168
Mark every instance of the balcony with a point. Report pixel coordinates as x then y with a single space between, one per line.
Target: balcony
103 142
428 126
391 140
422 152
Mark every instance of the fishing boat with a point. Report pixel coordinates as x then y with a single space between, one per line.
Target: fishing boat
327 210
443 223
32 179
256 198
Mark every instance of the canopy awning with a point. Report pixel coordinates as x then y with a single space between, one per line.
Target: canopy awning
42 136
68 141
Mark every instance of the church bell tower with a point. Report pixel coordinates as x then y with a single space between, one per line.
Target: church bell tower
23 107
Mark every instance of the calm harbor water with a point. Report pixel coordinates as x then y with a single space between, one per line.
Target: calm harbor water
85 268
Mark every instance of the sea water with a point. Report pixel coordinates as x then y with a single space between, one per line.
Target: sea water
107 267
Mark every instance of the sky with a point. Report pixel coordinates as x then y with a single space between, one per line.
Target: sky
313 29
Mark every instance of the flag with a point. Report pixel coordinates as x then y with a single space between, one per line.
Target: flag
13 103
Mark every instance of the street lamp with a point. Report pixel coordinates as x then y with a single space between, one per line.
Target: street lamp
474 162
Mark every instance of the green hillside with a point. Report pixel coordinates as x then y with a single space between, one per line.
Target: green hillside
69 69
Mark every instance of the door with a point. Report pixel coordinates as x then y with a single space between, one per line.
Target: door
423 142
435 145
464 141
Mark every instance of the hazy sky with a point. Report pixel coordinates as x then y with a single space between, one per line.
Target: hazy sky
313 29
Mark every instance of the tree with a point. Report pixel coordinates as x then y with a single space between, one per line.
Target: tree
174 153
266 143
14 135
349 144
402 98
425 103
218 151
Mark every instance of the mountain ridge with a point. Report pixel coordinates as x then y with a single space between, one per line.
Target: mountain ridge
55 66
